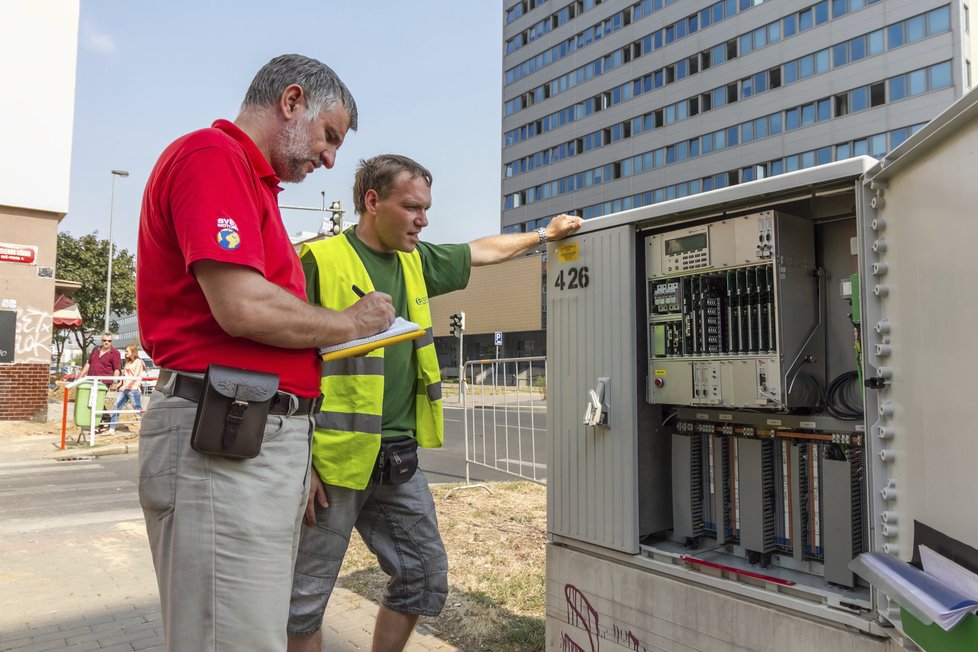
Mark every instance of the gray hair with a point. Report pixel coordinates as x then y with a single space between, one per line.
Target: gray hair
379 173
322 87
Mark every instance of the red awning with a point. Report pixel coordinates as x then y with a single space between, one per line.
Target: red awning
66 314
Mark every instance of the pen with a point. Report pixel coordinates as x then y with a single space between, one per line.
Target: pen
358 291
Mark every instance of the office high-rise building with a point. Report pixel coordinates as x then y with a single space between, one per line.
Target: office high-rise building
613 105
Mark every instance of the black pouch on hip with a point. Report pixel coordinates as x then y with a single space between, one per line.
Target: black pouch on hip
397 460
231 411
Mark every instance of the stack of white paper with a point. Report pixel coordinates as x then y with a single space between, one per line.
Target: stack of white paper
942 593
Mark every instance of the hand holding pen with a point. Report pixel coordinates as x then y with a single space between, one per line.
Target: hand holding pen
372 314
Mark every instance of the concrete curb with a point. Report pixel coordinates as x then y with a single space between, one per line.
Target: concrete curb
98 451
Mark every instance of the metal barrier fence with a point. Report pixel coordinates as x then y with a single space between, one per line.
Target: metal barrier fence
505 408
94 403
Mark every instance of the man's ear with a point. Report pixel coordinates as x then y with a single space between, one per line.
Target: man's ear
370 200
292 101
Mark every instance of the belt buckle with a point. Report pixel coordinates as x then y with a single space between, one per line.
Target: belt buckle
236 412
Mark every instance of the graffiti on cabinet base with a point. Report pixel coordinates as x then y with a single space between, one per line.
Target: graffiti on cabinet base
582 615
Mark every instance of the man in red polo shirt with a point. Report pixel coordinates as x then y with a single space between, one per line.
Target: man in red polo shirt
104 361
218 282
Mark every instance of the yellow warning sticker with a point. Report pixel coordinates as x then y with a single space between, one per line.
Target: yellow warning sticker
568 253
660 372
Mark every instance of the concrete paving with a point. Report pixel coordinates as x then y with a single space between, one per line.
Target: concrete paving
75 569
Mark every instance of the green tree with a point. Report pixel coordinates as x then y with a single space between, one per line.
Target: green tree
86 259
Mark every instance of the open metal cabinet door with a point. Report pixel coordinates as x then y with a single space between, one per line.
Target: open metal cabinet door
919 266
592 491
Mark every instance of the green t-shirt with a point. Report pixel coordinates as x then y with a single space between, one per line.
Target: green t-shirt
446 269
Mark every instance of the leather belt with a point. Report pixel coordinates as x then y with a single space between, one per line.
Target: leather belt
189 388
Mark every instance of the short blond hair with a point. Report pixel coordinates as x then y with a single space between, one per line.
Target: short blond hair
379 173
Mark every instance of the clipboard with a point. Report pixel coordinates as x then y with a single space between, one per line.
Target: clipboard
401 330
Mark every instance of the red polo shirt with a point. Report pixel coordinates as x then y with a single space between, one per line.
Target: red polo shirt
213 196
104 365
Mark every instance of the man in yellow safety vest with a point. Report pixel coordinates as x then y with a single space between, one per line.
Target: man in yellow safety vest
380 407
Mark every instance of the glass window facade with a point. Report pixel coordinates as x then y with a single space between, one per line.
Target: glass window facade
791 72
672 102
817 63
856 100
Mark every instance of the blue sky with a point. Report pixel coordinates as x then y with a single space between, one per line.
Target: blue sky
425 74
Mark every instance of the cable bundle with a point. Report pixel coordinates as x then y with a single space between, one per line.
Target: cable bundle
843 399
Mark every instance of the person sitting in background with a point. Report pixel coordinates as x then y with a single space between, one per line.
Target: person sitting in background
133 371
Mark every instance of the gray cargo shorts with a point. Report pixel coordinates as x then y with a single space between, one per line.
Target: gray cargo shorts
399 526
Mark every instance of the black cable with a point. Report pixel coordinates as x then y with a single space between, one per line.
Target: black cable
834 452
830 395
851 399
838 401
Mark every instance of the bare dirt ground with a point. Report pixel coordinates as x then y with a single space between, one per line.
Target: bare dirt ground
30 429
51 429
126 433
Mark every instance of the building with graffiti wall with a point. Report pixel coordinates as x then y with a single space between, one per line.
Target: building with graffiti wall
35 166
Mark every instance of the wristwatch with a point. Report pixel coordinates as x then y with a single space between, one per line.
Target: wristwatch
542 232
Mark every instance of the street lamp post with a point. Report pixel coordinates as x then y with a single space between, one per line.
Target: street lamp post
108 277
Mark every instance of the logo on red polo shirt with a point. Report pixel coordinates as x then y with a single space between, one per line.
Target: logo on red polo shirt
227 235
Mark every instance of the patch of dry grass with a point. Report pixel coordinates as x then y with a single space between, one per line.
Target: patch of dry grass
496 553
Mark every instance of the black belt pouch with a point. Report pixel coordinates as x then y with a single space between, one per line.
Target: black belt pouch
397 460
231 411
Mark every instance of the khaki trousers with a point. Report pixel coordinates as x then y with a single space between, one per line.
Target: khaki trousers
223 532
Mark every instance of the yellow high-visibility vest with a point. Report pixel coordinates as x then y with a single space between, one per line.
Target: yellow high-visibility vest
348 428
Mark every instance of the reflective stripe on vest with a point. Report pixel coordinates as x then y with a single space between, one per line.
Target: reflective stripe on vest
426 339
347 422
357 366
433 391
347 436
